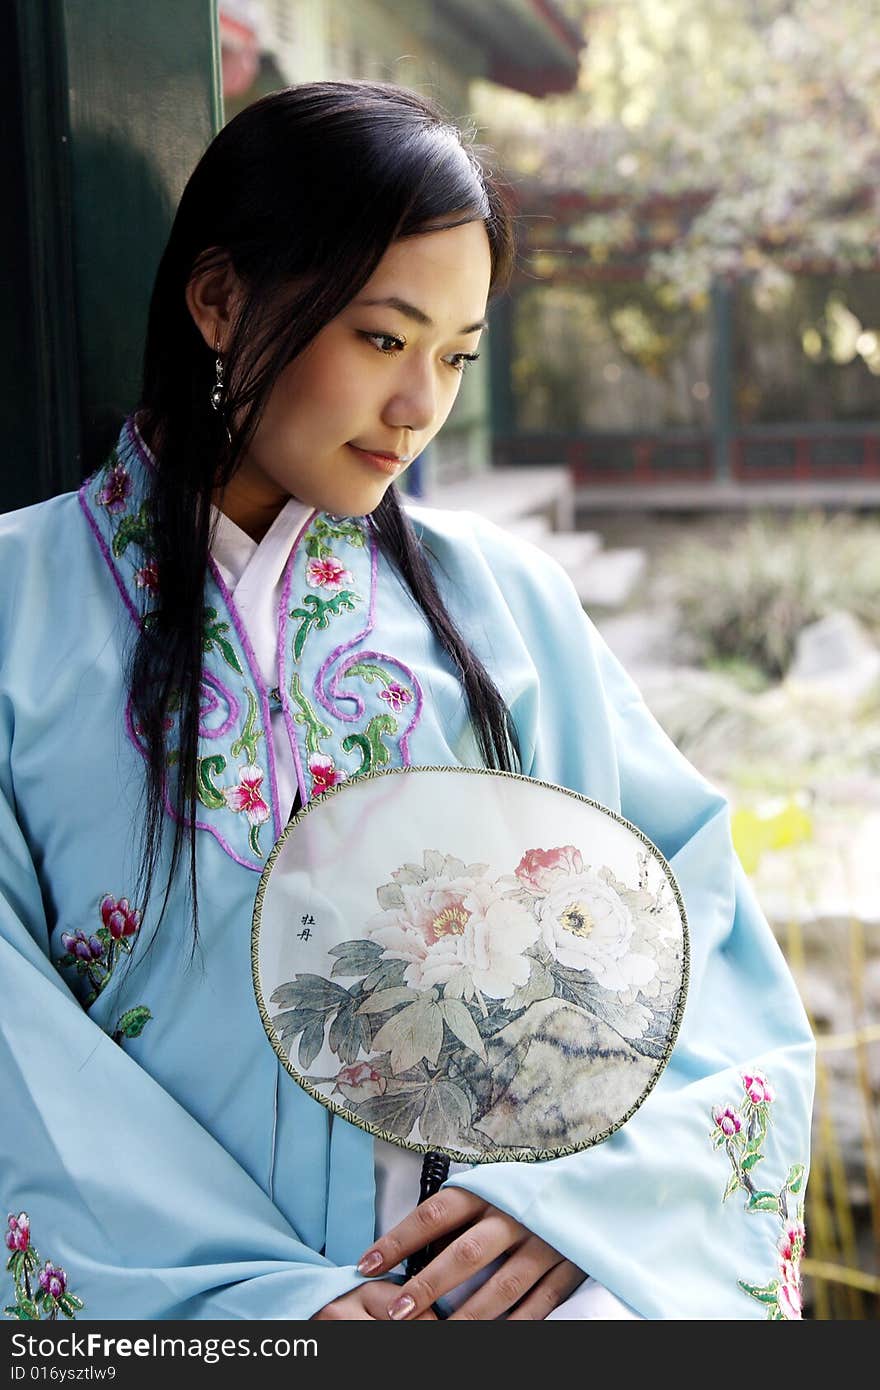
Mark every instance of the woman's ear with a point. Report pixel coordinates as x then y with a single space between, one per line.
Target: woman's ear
213 294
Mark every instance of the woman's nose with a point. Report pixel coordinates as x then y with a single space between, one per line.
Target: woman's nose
414 404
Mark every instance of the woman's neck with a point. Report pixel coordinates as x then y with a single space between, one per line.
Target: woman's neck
252 513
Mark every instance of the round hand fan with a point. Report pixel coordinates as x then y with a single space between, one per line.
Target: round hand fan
471 963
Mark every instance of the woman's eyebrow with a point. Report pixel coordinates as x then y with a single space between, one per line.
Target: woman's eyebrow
418 315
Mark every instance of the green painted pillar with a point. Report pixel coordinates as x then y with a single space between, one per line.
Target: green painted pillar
106 108
723 409
500 343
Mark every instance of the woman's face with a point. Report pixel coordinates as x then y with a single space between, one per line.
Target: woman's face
378 377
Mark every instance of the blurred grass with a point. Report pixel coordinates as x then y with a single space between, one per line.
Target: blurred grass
743 605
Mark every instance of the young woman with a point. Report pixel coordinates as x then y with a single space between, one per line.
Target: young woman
179 646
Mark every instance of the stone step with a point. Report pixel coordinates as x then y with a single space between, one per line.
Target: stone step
530 528
609 578
504 495
573 550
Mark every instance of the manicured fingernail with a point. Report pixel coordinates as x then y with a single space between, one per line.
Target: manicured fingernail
401 1308
370 1262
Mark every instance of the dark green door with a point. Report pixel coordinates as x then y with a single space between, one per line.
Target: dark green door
106 107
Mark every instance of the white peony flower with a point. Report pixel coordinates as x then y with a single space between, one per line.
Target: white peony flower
586 925
462 931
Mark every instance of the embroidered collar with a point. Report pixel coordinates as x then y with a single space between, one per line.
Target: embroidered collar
348 707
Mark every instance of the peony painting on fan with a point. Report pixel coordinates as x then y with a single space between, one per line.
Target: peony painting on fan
518 1007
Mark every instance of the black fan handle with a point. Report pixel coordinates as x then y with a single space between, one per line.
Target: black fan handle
435 1171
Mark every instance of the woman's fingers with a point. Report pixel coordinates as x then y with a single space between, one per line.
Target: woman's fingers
533 1279
378 1297
478 1246
548 1293
524 1268
366 1303
448 1210
358 1305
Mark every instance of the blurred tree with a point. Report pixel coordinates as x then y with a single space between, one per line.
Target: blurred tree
757 122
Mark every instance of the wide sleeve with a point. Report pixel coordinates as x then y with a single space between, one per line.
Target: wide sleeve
694 1209
145 1213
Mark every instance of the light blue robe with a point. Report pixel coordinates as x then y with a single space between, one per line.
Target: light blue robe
178 1172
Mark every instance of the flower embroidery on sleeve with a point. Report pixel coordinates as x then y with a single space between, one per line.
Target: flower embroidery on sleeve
741 1132
40 1297
96 957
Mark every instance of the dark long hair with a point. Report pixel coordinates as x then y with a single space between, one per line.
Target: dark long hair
302 193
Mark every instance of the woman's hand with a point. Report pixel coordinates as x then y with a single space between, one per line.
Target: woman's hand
366 1303
533 1280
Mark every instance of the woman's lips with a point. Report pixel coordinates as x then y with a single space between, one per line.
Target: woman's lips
382 462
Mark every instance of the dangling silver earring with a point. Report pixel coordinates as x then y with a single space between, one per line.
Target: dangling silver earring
218 391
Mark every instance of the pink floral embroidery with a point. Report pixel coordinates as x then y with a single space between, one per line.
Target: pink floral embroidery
119 917
728 1120
757 1088
328 573
53 1279
116 490
789 1296
95 956
791 1243
87 948
247 797
47 1295
791 1246
147 577
741 1134
18 1237
396 695
324 774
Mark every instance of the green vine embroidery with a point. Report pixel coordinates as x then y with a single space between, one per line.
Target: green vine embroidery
322 533
214 636
132 530
393 693
317 613
305 715
132 1023
40 1297
373 751
228 778
246 794
209 795
374 675
251 734
741 1132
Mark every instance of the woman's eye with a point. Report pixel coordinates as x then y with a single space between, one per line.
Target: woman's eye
385 338
463 360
